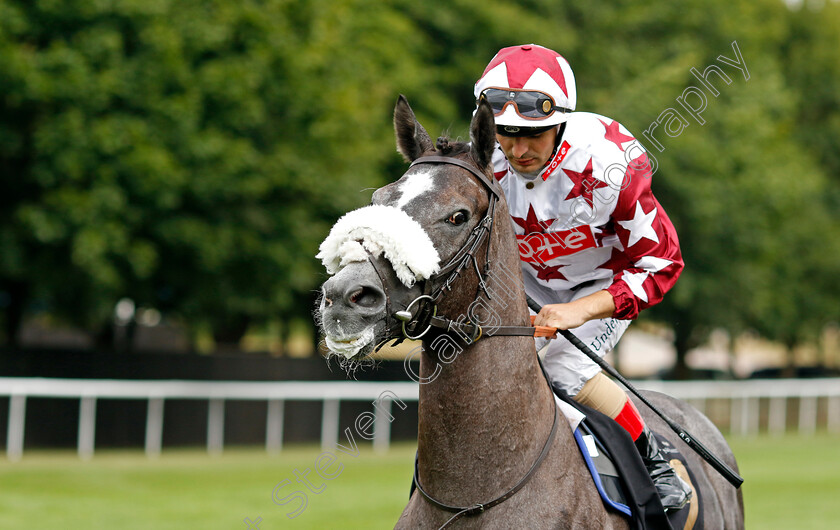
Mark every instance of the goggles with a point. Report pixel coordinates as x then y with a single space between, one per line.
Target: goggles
529 104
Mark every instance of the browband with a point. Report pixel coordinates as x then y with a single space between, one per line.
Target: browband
460 163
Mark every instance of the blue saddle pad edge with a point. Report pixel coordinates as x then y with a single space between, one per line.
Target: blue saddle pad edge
623 508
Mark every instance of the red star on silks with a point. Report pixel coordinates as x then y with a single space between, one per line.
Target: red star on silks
584 183
614 135
548 272
618 262
531 224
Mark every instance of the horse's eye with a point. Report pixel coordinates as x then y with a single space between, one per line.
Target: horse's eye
457 218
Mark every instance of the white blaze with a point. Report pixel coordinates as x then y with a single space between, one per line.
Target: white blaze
413 186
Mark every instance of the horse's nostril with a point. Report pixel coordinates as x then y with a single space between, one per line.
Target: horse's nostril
366 296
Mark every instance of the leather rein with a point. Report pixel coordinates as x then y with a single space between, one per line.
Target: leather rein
426 317
478 508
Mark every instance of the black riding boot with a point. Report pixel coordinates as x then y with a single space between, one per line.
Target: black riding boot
673 491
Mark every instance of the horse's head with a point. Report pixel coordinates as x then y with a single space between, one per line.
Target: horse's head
406 243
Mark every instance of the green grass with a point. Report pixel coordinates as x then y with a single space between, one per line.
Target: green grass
791 482
187 489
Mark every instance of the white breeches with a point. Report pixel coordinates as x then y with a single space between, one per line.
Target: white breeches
569 367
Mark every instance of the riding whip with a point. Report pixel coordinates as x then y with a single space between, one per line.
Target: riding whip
727 472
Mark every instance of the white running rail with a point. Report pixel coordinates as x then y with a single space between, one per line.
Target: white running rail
743 398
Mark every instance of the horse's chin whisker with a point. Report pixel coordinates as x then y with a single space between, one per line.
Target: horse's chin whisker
352 365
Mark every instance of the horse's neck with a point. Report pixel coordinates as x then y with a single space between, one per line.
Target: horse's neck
484 417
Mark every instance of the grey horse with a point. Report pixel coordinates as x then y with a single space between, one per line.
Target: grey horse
435 257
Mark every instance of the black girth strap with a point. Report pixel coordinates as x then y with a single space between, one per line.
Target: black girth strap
478 508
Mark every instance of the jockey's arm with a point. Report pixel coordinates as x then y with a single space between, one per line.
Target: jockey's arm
599 304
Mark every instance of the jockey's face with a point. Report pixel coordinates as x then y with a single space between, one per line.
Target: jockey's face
528 154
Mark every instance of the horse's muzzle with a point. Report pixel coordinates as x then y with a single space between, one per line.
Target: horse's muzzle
353 302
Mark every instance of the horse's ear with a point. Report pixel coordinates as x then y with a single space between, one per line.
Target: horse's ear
483 134
412 138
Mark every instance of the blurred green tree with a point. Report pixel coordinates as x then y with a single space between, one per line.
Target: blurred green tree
744 194
189 155
811 60
811 57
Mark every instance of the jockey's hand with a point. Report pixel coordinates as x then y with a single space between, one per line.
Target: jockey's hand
576 313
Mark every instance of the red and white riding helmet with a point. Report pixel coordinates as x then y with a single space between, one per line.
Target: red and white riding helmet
528 86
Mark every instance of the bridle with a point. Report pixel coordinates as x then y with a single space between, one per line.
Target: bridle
464 257
408 325
426 318
478 508
403 324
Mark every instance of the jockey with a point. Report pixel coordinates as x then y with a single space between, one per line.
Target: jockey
595 245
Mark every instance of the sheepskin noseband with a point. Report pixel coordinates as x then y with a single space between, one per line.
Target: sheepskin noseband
379 230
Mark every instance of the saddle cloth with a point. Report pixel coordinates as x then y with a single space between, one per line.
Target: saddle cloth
620 475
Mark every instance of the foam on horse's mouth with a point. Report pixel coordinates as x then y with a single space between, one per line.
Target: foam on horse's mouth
349 347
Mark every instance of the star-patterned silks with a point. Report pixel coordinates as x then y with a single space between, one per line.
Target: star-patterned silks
583 183
634 252
548 272
614 135
652 263
635 280
597 258
616 262
531 224
640 226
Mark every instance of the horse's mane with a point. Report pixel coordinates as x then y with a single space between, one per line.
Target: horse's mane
446 147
